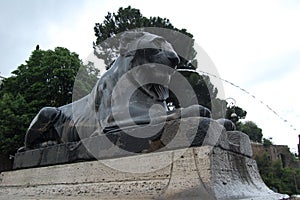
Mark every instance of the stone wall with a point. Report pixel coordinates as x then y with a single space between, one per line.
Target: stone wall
275 152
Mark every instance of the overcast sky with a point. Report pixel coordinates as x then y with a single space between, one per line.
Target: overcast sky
254 44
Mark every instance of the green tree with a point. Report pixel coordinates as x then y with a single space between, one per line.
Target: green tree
205 94
106 48
267 142
282 180
241 114
131 18
14 121
86 79
220 107
263 164
203 90
46 79
251 129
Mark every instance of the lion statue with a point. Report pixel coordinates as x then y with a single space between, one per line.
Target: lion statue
123 96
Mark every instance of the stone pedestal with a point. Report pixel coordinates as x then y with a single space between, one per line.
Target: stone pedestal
174 134
221 168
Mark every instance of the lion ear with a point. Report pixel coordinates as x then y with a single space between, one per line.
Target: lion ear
129 42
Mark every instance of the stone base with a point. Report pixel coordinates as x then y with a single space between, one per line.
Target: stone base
221 171
173 134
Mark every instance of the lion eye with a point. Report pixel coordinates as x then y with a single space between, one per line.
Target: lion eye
151 51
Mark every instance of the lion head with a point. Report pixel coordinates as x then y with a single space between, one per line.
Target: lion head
149 47
146 63
149 54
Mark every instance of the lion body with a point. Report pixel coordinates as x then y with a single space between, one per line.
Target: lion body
94 113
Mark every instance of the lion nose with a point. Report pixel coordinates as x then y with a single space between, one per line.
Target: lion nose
172 56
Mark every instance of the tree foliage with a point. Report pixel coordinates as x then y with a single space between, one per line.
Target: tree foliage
205 94
282 180
14 120
46 79
107 48
86 79
251 129
241 114
267 142
130 18
203 90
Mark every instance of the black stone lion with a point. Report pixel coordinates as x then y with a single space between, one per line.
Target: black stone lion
108 106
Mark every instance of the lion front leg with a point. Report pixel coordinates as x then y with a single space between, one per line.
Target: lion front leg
41 131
